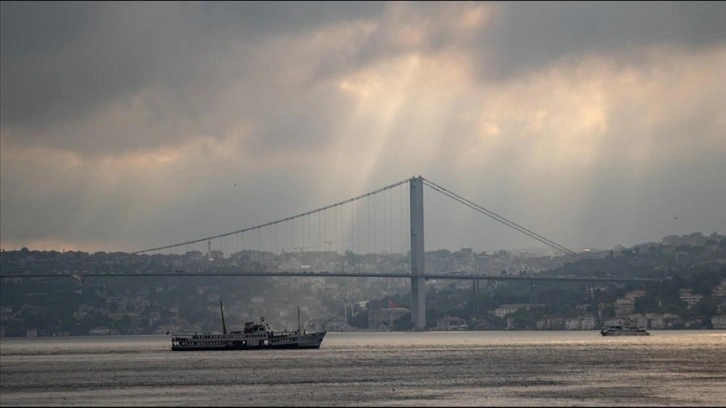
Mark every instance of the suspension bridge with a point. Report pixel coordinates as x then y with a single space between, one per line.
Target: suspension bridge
385 221
377 234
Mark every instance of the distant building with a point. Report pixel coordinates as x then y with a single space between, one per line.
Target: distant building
718 322
691 298
216 255
383 319
338 325
451 323
634 294
551 323
655 321
100 331
506 309
615 322
572 323
588 323
624 306
581 323
194 254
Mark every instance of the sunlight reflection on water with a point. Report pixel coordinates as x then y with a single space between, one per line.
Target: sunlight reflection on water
372 368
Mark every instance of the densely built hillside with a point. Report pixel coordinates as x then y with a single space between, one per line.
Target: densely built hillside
691 292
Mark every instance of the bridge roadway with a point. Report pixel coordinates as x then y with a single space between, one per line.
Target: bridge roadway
428 276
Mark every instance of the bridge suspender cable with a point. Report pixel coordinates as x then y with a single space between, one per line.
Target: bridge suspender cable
501 219
278 221
429 183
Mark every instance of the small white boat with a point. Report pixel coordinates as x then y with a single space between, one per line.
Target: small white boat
253 336
623 331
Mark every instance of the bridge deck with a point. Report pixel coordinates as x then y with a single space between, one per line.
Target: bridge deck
429 276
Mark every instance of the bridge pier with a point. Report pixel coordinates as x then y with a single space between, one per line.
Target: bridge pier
418 282
475 293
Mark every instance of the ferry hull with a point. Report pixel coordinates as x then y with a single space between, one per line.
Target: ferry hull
216 342
280 347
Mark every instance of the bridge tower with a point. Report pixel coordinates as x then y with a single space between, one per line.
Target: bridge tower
418 284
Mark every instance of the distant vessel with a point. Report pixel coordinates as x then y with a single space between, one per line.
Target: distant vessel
253 336
623 331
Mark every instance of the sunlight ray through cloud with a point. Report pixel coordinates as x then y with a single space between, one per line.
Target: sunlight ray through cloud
590 122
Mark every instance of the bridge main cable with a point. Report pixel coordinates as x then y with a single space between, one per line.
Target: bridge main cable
394 185
501 219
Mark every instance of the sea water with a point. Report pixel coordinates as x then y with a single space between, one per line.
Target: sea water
482 368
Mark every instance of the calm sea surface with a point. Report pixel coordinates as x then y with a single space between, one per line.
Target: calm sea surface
527 368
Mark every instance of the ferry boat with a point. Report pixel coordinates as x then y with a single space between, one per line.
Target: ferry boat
623 331
253 336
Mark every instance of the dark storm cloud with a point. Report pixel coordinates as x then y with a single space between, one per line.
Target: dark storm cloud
65 61
259 19
61 60
526 36
121 119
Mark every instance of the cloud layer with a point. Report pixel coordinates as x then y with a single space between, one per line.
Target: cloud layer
133 125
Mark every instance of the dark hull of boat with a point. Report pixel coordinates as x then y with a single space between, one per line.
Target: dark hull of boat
277 347
625 333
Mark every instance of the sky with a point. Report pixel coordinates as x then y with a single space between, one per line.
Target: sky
132 125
